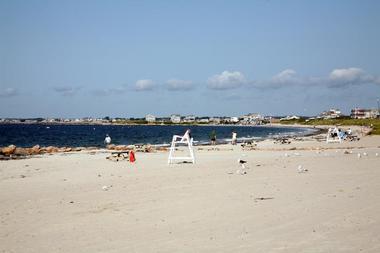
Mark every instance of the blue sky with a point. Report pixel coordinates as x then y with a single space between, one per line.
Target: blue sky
131 58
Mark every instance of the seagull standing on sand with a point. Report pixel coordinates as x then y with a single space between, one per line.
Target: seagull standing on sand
242 163
301 169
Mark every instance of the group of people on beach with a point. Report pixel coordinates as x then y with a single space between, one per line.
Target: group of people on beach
107 140
213 137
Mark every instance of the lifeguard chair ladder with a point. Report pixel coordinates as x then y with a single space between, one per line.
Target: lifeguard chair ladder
185 140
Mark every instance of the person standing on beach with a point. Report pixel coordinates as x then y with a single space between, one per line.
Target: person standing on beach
234 138
107 140
213 137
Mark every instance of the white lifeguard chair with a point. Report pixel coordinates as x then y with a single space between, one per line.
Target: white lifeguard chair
333 135
182 140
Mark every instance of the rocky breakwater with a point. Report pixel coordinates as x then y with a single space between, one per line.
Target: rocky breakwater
13 152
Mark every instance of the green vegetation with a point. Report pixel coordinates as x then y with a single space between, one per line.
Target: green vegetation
344 121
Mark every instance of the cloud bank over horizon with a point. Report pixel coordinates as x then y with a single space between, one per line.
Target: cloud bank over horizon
230 80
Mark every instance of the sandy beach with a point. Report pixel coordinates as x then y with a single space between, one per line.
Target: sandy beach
82 202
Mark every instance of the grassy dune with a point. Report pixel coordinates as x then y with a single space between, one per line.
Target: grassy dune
374 123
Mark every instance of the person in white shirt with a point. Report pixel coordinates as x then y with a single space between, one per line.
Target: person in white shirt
107 140
234 138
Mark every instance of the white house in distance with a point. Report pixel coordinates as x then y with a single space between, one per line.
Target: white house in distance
290 118
252 119
234 119
204 120
189 119
175 118
359 113
215 120
331 114
150 118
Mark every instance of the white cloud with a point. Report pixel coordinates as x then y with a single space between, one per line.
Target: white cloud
336 78
350 76
226 80
8 92
285 78
144 85
179 85
66 90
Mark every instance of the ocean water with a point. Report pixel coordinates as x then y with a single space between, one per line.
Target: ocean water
25 135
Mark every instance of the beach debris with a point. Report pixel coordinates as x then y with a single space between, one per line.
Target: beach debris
264 198
241 172
365 154
301 169
106 187
359 155
346 152
282 140
118 156
377 154
296 154
249 145
286 155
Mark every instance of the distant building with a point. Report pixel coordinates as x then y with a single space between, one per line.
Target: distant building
150 118
204 120
175 118
189 119
360 113
234 119
331 114
252 119
215 120
294 117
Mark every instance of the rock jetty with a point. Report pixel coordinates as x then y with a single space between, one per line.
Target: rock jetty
13 152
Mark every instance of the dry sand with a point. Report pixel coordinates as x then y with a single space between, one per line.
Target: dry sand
56 203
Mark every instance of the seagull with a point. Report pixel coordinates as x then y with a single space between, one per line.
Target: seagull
242 163
301 169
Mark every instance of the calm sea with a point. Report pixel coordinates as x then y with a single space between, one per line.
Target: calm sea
25 135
